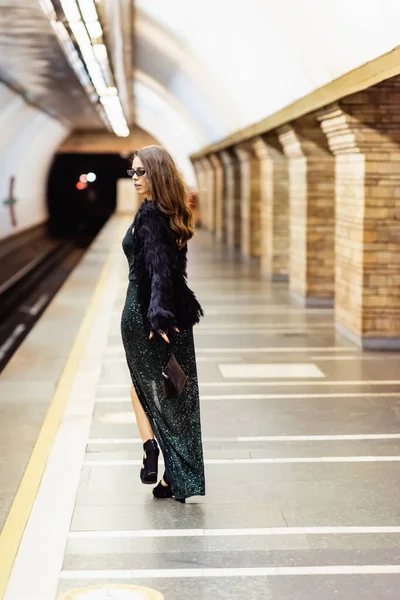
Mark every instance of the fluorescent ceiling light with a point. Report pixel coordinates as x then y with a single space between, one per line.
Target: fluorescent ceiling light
115 115
48 8
61 32
111 101
86 31
94 29
88 10
100 52
71 10
81 35
97 78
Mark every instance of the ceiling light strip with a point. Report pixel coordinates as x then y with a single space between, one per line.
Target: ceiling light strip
83 22
88 10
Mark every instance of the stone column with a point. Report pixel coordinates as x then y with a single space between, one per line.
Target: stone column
218 192
274 190
208 193
232 200
202 191
312 212
250 243
210 189
364 133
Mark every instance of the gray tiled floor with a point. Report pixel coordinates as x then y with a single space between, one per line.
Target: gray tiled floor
249 497
28 382
241 496
168 515
279 416
349 587
128 547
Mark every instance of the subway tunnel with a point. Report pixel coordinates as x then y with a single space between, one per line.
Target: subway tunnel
284 122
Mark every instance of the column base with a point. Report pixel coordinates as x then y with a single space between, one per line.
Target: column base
275 277
311 301
280 277
369 343
250 260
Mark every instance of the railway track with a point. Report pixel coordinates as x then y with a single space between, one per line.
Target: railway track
32 269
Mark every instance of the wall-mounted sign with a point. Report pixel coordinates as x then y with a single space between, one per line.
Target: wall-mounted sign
11 202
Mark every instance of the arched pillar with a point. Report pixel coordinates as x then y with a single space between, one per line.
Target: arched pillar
250 189
312 212
232 199
364 135
274 208
202 192
218 196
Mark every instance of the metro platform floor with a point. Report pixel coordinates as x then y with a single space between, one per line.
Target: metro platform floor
301 438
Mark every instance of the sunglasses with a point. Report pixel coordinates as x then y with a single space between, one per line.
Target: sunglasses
138 172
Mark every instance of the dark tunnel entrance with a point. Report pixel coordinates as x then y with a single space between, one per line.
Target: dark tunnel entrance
82 193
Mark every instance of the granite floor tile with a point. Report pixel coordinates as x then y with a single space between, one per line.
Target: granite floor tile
260 447
232 559
344 474
311 448
245 312
128 491
135 452
172 545
350 587
374 512
170 515
273 416
389 543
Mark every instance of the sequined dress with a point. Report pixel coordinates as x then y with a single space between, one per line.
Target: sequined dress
176 423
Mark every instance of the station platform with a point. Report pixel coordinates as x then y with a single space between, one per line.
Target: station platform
301 438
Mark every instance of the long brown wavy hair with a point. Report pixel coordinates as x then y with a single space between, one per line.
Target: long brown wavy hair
168 190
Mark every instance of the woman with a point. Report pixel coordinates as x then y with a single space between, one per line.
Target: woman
158 317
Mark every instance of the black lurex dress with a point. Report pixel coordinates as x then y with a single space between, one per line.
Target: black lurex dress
176 423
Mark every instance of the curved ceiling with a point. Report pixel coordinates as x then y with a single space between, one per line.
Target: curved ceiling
203 70
33 63
229 64
29 139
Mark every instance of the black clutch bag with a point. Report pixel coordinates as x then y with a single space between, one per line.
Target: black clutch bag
174 379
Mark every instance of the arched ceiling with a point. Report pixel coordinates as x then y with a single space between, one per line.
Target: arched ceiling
200 71
215 66
28 141
229 64
33 63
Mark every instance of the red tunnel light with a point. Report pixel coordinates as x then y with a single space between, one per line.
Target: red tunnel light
80 185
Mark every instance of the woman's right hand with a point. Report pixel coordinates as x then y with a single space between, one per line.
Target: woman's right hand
163 335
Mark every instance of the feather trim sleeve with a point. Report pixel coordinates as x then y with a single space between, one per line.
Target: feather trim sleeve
160 261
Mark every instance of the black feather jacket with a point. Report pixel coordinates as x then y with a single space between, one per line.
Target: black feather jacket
159 269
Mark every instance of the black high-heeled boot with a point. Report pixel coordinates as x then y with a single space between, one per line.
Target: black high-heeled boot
149 472
161 492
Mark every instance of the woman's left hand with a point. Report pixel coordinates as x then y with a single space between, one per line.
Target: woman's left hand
163 335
